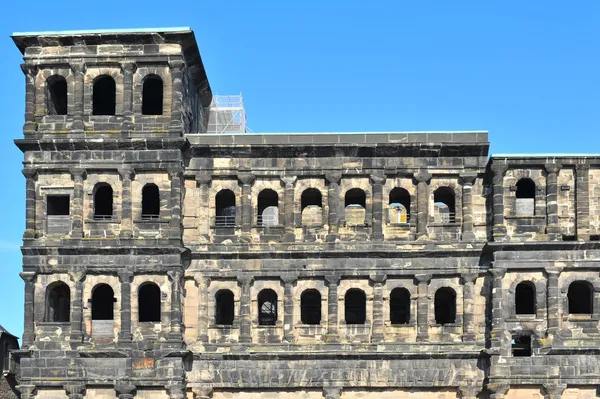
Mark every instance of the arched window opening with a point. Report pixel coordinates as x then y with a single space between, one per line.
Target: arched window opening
104 96
399 206
56 95
400 306
525 298
580 297
267 307
268 210
525 202
444 209
355 203
152 95
58 303
355 306
310 307
224 309
103 299
149 303
103 202
150 202
311 205
445 306
225 204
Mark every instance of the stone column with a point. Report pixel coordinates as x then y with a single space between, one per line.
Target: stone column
30 72
78 176
29 322
554 390
332 392
467 180
127 206
377 182
288 207
332 308
245 315
422 178
27 391
469 390
77 307
202 392
468 281
78 101
125 390
203 315
497 390
176 310
202 182
288 309
175 204
498 227
423 306
246 180
176 124
125 278
128 69
176 390
497 311
30 230
377 334
333 199
75 391
552 226
553 297
582 199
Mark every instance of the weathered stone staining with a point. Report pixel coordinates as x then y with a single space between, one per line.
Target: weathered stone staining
163 262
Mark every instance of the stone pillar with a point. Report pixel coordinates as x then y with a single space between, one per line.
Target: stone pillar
127 206
469 390
554 390
245 315
125 390
553 296
246 180
202 182
468 282
377 334
176 124
552 226
333 199
128 69
176 310
423 306
288 207
202 392
497 390
175 203
498 227
582 199
497 310
31 177
203 315
29 322
176 390
467 181
332 308
78 176
77 307
377 182
30 72
332 392
75 391
125 278
78 101
288 308
422 178
27 391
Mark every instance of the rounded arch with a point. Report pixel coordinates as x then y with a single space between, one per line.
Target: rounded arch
310 307
149 302
103 299
224 307
58 302
225 208
525 298
400 306
399 205
580 297
268 208
104 94
150 202
525 188
355 201
355 306
267 307
103 201
56 95
311 207
445 306
152 95
444 205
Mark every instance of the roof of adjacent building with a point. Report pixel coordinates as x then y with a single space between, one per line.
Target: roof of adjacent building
3 331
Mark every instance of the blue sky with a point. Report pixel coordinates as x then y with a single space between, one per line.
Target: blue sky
526 71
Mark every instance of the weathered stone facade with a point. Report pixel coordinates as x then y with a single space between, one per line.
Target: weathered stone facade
162 262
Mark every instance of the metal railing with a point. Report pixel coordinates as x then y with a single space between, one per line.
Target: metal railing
103 217
224 221
267 220
448 217
147 218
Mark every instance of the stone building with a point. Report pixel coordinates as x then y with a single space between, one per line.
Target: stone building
160 261
8 342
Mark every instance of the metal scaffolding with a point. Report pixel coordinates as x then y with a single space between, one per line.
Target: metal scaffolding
226 114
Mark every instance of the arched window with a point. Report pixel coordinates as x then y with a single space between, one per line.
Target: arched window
268 210
267 307
311 204
400 306
525 298
399 206
580 297
58 303
224 309
56 95
103 299
104 96
150 202
103 202
443 205
225 204
355 203
152 95
149 303
310 307
445 306
525 203
355 306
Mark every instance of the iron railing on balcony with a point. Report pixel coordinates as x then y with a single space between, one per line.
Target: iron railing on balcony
267 220
149 217
103 217
444 217
224 221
